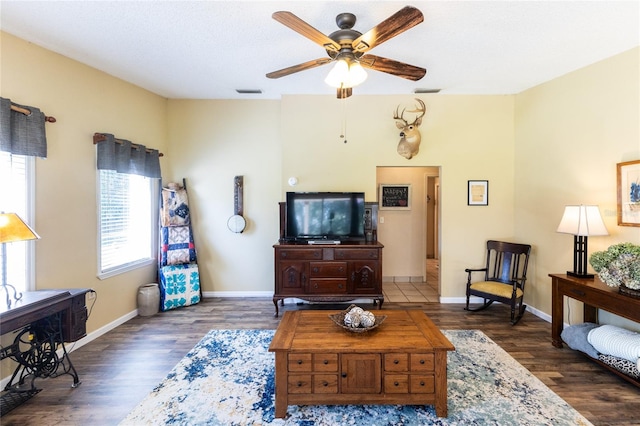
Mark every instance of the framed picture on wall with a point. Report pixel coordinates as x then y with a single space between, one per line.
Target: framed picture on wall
395 196
478 193
628 183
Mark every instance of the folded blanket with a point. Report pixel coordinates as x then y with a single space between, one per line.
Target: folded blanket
623 365
616 341
575 337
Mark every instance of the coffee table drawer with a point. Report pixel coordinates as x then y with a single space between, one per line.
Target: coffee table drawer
422 362
325 383
423 383
299 362
325 362
299 383
396 383
396 362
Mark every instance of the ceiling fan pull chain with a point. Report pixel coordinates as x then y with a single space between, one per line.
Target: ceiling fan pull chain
344 120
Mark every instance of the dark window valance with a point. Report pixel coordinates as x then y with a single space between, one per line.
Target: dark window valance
20 133
125 157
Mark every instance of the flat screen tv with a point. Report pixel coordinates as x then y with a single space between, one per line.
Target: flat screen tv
324 215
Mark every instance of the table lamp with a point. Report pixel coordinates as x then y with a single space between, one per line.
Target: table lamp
581 222
12 229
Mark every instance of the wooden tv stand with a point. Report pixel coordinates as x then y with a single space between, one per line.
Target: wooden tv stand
594 294
328 273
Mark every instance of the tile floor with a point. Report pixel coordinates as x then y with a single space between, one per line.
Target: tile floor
414 291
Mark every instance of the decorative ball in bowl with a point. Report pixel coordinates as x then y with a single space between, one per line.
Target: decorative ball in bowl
357 320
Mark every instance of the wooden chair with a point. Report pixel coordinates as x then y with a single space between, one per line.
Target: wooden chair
504 278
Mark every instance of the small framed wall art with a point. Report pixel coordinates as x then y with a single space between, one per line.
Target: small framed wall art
628 183
395 196
478 193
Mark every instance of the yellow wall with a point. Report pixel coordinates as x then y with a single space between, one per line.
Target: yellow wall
84 101
570 133
525 145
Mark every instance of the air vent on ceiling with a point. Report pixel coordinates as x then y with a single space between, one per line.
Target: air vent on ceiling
426 90
249 91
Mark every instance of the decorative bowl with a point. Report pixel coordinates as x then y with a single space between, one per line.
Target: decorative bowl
339 320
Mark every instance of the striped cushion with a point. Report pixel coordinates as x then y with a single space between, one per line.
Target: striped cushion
616 341
499 289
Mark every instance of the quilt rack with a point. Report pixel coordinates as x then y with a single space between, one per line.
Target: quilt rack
179 278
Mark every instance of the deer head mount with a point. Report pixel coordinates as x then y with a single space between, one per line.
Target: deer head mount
410 137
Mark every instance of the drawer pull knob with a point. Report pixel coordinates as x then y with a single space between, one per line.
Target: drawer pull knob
326 361
395 361
315 269
578 292
422 361
325 384
339 285
344 375
299 362
396 384
299 384
421 383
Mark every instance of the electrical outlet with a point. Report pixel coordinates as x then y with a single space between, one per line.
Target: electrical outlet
381 219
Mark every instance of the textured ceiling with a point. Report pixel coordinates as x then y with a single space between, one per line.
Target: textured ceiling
208 49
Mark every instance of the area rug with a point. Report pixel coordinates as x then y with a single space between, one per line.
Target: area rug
228 379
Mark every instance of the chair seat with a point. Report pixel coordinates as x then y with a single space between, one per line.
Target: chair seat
496 288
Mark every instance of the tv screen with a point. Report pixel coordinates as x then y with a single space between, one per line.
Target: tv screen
320 215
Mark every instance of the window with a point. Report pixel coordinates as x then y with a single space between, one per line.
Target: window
16 196
126 220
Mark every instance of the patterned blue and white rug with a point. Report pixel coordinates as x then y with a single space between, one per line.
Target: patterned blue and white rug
228 379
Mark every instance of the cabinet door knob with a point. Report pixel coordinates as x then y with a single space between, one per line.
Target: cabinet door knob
344 375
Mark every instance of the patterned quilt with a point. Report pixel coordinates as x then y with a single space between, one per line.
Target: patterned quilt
179 286
177 245
175 207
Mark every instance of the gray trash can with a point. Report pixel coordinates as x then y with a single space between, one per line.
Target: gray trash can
148 300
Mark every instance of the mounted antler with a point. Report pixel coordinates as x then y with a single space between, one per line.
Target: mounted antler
409 144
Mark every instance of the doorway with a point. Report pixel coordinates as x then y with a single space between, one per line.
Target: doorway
411 235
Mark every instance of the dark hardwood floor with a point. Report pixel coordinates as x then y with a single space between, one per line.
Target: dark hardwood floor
120 368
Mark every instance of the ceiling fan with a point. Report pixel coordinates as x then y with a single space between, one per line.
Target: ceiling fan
348 48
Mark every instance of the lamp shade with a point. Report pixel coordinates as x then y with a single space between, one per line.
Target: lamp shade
12 229
345 74
582 221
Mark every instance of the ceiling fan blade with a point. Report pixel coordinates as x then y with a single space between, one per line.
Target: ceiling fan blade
300 67
399 22
301 27
390 66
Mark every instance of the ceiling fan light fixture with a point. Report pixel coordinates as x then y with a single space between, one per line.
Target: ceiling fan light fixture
345 74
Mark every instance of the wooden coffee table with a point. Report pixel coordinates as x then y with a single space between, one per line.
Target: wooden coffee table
403 361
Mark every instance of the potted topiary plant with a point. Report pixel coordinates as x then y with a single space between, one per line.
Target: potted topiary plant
619 266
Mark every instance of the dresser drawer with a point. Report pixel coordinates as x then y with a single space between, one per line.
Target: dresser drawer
355 254
328 286
422 362
300 254
328 269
